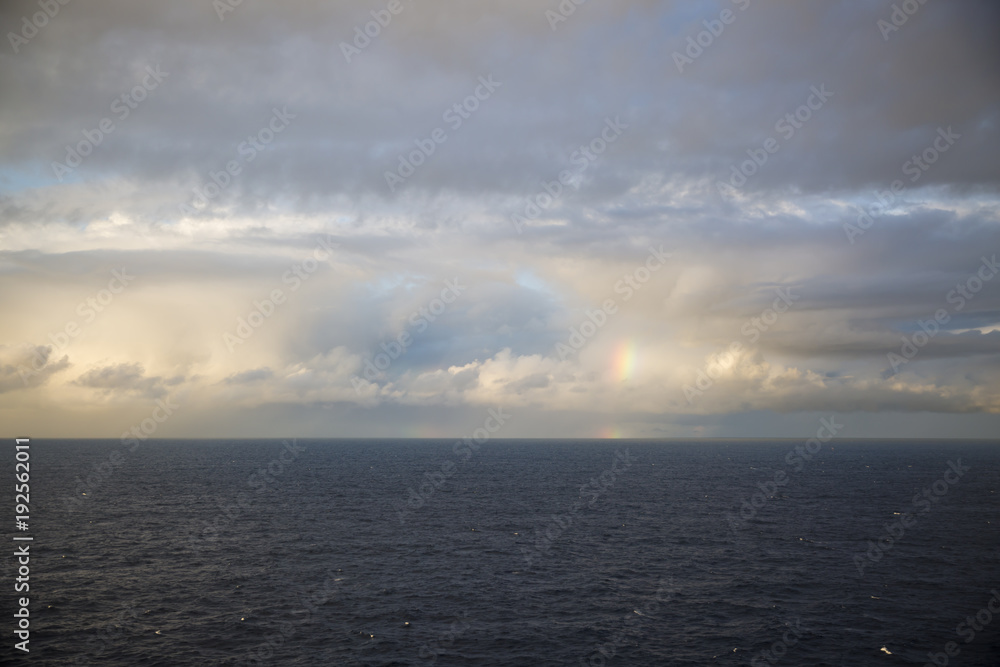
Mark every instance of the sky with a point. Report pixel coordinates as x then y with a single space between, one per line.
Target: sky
387 218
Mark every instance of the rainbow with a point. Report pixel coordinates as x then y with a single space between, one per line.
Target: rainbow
424 431
624 364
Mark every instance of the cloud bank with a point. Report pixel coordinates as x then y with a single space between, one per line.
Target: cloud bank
648 219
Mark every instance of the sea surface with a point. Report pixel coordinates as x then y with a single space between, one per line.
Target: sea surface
513 552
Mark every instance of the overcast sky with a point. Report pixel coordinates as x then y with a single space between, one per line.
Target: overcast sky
612 219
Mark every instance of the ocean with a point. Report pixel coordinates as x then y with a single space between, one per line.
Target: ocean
511 552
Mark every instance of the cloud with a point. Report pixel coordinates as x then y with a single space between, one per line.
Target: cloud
126 378
28 366
247 377
202 271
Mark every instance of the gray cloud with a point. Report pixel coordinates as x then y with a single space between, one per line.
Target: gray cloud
28 366
124 377
247 377
202 271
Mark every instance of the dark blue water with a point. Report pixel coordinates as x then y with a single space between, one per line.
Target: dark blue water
518 553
